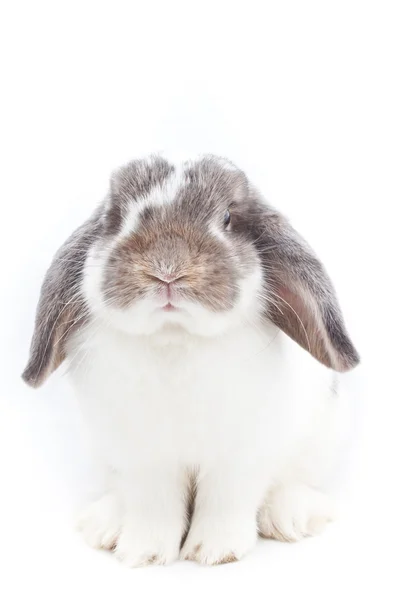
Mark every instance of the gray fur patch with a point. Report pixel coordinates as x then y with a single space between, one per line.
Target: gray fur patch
61 308
132 181
299 296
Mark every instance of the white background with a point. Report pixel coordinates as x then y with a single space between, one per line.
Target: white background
302 95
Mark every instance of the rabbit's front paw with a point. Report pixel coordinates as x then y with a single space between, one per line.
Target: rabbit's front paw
100 522
293 512
141 544
218 543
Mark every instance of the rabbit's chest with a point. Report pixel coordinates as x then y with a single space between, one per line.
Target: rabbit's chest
182 398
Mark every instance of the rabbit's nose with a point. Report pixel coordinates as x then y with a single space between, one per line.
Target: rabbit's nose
167 277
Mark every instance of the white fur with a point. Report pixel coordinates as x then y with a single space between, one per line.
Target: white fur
222 396
101 521
293 511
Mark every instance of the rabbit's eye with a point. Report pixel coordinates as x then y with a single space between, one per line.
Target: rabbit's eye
227 218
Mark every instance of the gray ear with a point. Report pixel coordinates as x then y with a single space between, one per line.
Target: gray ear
300 298
61 309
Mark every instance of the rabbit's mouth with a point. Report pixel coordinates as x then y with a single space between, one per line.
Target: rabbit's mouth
169 307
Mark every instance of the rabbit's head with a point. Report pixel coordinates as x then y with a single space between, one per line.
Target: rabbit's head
192 247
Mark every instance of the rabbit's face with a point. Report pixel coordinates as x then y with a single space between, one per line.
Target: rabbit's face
175 252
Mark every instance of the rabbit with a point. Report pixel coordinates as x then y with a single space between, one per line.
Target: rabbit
203 340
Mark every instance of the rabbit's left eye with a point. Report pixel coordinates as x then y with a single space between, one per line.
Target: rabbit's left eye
227 218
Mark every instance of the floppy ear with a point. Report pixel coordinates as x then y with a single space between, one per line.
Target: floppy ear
61 308
300 298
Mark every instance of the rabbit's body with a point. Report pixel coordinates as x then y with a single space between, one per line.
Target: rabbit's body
221 409
195 400
169 304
